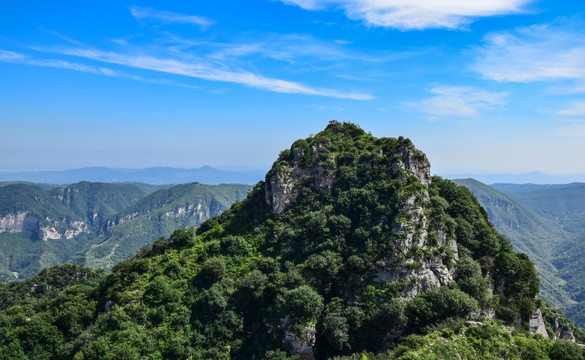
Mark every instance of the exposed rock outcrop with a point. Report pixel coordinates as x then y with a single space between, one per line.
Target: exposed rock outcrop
414 162
19 221
46 229
282 180
537 325
562 331
421 270
300 345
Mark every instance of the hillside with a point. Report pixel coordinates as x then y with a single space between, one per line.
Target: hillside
564 207
530 234
87 223
154 215
349 248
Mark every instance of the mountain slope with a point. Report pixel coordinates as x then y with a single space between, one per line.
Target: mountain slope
564 207
41 227
563 204
96 201
349 246
530 233
157 214
29 217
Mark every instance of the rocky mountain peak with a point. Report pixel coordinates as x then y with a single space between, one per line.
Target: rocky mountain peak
317 159
349 247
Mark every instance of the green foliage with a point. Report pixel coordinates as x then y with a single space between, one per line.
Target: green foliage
303 305
250 280
566 350
470 279
438 305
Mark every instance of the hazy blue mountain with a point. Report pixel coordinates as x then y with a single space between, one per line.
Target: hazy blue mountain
154 175
43 225
564 204
535 177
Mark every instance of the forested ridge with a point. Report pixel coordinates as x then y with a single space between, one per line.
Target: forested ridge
348 250
96 224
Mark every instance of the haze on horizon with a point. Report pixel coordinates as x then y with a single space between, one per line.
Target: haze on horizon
480 87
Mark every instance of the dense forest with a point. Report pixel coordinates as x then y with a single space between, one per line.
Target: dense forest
348 250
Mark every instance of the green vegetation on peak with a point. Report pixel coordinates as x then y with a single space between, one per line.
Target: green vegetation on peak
349 247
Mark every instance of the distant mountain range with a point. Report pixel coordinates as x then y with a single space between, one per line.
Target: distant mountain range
535 177
97 224
154 175
546 222
213 176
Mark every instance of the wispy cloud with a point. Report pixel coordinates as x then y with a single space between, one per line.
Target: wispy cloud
416 14
535 53
10 56
170 17
459 101
283 47
241 60
576 108
60 36
199 69
295 48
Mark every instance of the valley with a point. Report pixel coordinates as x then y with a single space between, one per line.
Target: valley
96 224
546 222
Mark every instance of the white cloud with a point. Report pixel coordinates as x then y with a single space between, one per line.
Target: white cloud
201 70
416 14
576 108
535 53
9 56
459 101
170 17
291 48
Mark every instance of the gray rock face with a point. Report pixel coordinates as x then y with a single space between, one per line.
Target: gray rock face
563 332
537 325
282 179
303 345
421 271
19 221
47 229
281 183
416 163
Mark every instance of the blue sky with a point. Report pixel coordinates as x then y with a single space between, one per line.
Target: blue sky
481 86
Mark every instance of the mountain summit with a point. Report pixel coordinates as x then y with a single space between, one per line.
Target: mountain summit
348 248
